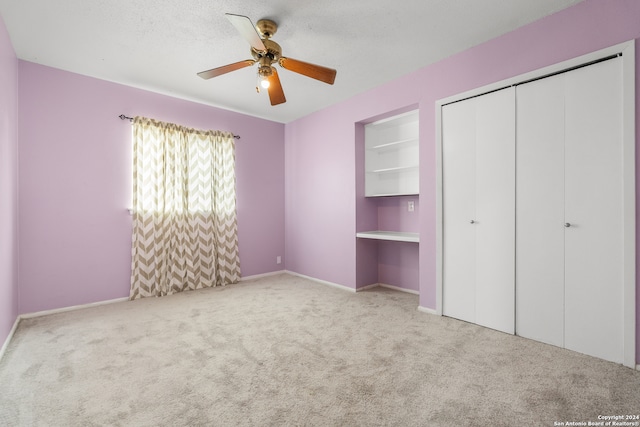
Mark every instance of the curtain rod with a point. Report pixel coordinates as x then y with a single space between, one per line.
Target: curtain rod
123 117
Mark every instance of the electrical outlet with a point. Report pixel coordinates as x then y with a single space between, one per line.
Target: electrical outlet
411 206
278 259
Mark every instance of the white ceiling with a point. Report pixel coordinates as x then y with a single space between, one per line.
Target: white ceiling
160 45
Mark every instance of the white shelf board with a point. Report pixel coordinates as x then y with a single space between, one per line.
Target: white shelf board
397 236
393 144
411 193
395 169
409 116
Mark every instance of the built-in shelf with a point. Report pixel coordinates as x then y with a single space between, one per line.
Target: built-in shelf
392 194
391 156
393 144
395 169
397 236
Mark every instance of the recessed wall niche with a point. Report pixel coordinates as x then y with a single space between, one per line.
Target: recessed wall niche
387 200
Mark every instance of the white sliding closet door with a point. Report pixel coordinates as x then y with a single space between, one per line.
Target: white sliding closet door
593 206
479 210
569 273
459 200
540 211
495 210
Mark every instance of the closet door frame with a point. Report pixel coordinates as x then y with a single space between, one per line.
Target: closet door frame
627 50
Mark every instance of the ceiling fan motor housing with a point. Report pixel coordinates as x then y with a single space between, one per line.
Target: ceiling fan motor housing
273 53
267 27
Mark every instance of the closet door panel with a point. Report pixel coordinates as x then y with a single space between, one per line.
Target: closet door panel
594 241
495 210
540 211
458 163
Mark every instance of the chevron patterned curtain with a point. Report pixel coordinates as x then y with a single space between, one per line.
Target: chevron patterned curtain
184 209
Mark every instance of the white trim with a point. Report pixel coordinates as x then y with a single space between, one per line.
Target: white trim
629 192
398 288
366 288
428 310
258 276
629 200
71 308
54 311
542 72
9 337
395 117
439 211
324 282
346 288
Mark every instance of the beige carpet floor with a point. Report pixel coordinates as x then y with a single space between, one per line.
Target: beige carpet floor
283 350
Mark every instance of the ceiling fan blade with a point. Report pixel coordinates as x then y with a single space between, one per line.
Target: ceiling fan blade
247 30
324 74
276 94
215 72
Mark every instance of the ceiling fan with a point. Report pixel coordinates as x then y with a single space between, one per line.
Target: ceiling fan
266 53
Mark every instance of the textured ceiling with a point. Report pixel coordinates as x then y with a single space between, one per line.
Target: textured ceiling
160 45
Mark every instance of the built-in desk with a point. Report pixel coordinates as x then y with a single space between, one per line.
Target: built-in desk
397 236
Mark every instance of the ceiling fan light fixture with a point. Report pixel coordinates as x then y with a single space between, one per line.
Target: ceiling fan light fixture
264 72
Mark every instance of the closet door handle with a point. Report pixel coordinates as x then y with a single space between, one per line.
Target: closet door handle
567 224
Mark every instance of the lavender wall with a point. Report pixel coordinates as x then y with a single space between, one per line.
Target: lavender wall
75 184
397 261
393 213
321 214
8 184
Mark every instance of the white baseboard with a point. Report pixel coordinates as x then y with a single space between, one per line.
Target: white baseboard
258 276
398 288
71 308
427 310
54 311
384 285
366 288
346 288
324 282
273 273
8 340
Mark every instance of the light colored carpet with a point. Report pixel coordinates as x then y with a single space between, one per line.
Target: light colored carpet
283 350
